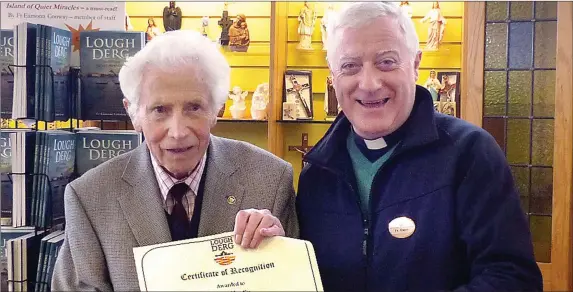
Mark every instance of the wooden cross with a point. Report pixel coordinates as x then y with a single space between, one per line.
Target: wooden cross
303 148
297 90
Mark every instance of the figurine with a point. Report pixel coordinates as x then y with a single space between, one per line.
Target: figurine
238 108
204 25
324 24
260 102
331 106
239 39
437 27
433 85
306 19
172 17
152 29
406 8
225 23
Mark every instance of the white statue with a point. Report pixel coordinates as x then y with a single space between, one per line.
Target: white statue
436 28
324 24
306 21
260 102
238 108
204 25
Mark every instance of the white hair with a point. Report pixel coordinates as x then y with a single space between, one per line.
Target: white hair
174 51
356 15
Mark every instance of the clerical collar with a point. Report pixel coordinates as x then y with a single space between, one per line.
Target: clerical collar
376 148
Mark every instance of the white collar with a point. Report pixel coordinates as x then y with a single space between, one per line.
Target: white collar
376 144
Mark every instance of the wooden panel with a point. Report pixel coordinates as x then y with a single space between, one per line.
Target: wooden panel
278 65
258 27
447 57
211 9
561 265
249 78
453 32
472 65
419 9
546 272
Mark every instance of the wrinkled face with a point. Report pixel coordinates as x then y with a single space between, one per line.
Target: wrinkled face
374 75
176 118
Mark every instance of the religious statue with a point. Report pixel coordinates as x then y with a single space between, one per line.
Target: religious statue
260 102
225 23
306 20
437 27
152 29
172 17
433 85
331 106
406 8
238 108
324 24
239 39
204 25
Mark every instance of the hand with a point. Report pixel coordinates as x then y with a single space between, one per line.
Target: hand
252 225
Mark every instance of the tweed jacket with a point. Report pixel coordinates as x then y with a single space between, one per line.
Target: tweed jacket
118 206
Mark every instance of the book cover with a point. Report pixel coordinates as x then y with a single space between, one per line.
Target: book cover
6 78
96 147
102 54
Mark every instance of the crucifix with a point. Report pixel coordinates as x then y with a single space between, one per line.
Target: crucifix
303 148
225 23
297 90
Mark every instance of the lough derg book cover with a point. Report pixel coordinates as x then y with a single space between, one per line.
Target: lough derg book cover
95 147
102 54
6 78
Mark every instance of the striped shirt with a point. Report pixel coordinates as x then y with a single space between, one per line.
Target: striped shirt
166 181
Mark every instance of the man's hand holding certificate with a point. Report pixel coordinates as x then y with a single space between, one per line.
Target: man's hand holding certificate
217 263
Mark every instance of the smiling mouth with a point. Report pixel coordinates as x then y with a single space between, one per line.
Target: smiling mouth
373 103
179 150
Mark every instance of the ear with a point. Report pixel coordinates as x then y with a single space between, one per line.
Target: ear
417 61
135 122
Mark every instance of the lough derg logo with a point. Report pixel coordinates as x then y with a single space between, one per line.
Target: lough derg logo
221 245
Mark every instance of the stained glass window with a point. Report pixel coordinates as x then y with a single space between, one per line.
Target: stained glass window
519 103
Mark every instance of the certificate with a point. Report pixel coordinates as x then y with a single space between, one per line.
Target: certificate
217 263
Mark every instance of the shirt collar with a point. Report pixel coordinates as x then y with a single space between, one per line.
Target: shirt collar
166 181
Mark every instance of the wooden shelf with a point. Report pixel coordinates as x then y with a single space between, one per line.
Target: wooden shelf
304 122
227 120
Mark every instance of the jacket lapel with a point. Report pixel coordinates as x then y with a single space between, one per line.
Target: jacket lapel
222 195
143 207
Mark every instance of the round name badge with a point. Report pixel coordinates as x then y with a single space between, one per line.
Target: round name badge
401 227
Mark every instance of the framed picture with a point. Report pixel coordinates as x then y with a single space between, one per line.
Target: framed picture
449 95
298 91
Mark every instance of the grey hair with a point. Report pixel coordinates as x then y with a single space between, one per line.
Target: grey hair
173 51
356 15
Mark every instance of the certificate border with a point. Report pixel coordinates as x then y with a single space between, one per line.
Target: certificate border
183 243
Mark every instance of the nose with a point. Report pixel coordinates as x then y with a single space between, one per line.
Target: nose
178 127
370 80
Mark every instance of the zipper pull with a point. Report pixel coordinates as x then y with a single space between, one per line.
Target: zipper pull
365 241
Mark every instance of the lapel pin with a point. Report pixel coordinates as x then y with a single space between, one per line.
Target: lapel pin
231 200
401 227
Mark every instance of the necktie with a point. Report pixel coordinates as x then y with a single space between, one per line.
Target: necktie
179 218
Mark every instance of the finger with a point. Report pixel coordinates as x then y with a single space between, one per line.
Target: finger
240 225
254 220
274 230
267 222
